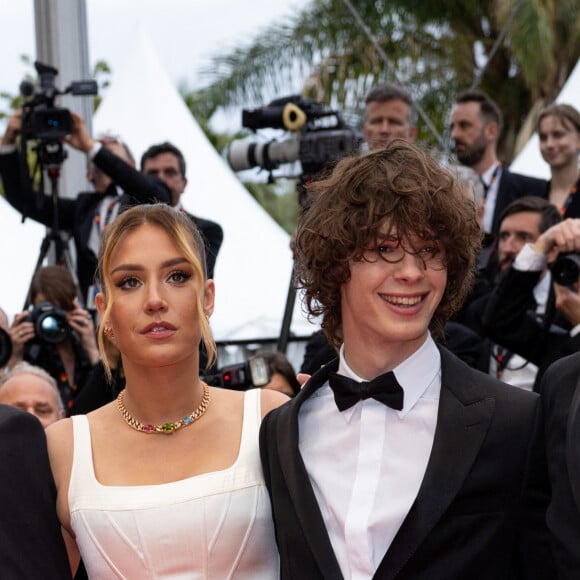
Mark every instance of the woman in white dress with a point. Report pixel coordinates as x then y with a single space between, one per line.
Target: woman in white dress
166 481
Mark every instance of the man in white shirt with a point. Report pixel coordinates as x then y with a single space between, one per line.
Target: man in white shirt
528 313
397 460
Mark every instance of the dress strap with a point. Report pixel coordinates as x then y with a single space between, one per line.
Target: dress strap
82 472
251 422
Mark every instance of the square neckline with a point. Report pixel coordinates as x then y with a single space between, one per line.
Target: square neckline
244 434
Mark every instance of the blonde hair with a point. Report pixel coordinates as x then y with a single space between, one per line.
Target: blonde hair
186 237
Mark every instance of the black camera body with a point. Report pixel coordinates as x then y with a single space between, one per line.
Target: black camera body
255 372
50 323
50 123
566 269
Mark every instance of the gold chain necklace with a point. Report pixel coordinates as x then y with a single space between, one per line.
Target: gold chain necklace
166 428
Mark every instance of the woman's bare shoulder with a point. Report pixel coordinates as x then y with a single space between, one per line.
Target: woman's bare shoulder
59 438
271 399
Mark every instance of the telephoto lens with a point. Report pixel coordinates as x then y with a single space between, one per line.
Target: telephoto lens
50 323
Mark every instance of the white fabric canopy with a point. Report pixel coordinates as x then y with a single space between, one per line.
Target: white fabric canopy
19 251
253 268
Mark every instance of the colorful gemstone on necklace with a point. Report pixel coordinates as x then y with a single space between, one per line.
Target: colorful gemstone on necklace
169 427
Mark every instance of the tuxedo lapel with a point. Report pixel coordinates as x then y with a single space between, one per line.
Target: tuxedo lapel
298 482
572 437
463 420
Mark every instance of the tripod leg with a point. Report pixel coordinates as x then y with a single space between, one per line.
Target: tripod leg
67 263
287 320
44 248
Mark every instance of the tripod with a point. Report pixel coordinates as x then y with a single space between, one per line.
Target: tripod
283 339
53 239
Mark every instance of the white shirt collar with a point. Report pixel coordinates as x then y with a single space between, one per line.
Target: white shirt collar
416 374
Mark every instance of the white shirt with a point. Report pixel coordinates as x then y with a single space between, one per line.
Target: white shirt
492 181
367 463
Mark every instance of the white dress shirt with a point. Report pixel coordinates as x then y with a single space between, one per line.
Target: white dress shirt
367 463
491 179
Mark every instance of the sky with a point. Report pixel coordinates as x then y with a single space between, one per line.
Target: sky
185 33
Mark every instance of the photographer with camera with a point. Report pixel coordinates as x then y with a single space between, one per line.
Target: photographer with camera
510 318
166 161
56 334
117 184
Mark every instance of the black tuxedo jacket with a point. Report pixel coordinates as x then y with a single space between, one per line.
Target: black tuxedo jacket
511 187
560 390
76 215
31 543
480 510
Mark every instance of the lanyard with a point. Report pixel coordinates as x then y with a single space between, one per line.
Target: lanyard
487 186
101 225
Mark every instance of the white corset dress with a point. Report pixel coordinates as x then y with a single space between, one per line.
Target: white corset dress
211 526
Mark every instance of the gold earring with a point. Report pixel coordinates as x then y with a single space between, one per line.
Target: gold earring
108 332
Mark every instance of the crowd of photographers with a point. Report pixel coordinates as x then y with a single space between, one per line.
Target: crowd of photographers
494 330
55 337
522 316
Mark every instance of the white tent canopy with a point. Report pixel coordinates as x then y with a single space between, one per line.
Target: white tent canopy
529 161
254 266
19 252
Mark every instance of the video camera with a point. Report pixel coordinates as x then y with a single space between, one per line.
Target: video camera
255 372
50 323
321 136
42 120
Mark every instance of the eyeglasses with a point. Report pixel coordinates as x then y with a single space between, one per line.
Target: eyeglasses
392 250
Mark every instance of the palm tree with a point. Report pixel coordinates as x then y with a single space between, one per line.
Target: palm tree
519 51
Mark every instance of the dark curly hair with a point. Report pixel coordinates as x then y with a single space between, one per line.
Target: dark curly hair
347 210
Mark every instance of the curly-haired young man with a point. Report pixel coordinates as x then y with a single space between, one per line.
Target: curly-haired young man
397 460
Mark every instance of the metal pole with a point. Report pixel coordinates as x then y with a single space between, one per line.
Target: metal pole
62 42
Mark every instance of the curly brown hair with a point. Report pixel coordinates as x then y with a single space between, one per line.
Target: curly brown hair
401 184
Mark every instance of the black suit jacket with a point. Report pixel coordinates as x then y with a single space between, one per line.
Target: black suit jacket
479 513
560 389
511 187
31 543
509 319
76 215
213 236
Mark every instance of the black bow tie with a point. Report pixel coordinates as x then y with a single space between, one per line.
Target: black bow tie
384 388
